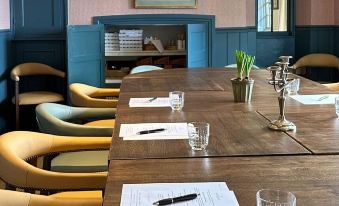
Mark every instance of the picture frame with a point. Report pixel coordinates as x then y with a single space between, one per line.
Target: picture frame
165 4
275 4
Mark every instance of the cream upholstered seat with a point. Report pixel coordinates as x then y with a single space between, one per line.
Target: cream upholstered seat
33 97
85 198
18 146
83 95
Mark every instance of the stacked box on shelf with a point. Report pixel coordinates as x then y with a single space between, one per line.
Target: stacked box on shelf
130 40
112 42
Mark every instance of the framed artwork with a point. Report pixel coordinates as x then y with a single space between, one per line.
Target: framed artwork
165 4
275 4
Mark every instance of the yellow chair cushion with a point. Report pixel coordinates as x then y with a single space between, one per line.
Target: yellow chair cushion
84 161
39 97
101 123
79 195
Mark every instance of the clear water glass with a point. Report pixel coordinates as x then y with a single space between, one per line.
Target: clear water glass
293 88
198 135
337 105
267 197
176 99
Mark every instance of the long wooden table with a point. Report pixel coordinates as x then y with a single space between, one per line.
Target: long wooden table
238 132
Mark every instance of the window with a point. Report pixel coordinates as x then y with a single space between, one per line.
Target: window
274 16
4 14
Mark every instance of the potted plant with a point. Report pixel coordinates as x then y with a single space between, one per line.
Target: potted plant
243 84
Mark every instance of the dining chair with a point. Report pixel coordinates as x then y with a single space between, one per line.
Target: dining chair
317 60
33 97
83 198
145 68
56 119
83 95
18 147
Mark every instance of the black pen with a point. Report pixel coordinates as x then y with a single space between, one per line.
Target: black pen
169 201
151 131
151 100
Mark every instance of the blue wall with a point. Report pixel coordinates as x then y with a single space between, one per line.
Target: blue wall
316 39
5 65
270 48
227 40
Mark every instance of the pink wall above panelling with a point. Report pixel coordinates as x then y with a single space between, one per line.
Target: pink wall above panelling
4 14
250 12
322 12
229 13
303 13
316 12
336 12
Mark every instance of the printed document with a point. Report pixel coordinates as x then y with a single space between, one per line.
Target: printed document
210 194
149 102
315 99
171 131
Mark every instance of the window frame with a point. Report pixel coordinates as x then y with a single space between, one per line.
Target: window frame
290 22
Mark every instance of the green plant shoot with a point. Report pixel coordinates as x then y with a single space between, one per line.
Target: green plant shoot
244 64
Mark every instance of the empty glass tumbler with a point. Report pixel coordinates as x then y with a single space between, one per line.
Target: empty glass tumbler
293 88
267 197
337 105
176 99
198 135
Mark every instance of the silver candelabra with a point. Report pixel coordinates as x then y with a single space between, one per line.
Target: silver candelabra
280 83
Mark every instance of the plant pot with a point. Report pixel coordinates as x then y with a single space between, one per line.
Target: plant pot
242 89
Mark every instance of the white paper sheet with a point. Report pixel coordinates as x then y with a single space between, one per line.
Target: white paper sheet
315 99
210 194
172 131
148 102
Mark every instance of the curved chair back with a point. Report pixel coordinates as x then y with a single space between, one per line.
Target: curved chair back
18 146
28 69
53 119
145 68
317 60
14 198
83 95
35 97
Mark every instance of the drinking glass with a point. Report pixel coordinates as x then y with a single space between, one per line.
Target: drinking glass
176 100
337 105
267 197
293 88
198 134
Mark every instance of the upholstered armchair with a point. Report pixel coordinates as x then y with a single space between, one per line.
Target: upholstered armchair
83 95
33 97
85 198
55 119
19 146
317 60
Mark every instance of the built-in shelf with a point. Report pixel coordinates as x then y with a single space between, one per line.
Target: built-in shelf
146 53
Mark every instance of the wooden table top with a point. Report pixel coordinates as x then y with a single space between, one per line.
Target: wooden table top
313 179
242 151
236 128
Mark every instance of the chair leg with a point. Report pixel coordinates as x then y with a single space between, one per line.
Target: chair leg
17 117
